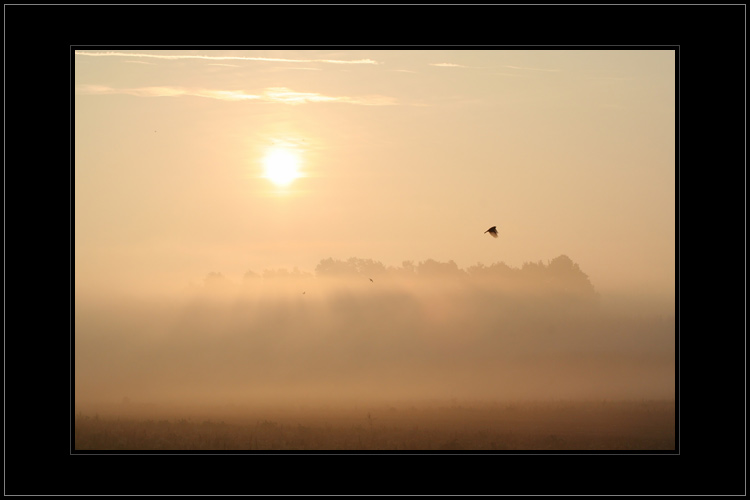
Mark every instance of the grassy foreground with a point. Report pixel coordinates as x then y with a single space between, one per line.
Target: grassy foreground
566 425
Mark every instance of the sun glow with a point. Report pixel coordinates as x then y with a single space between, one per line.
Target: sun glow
281 166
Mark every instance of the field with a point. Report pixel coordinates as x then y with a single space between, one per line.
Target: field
426 426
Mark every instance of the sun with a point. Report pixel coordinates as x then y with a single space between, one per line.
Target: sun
281 166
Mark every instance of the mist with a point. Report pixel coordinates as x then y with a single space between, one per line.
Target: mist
355 332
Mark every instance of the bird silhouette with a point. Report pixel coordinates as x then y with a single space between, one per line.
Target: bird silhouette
492 231
371 280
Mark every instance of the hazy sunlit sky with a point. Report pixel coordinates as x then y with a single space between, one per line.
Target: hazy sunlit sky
185 160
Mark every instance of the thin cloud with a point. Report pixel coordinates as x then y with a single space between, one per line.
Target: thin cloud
453 65
222 58
448 65
288 96
224 95
281 95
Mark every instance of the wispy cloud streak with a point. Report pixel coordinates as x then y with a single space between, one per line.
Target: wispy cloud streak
448 65
222 58
281 95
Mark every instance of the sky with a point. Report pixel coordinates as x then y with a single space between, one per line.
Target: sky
198 161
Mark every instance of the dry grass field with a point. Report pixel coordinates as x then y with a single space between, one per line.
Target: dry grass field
434 427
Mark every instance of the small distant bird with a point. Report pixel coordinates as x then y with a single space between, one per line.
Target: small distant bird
492 231
303 293
371 280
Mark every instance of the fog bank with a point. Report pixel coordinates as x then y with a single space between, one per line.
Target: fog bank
358 331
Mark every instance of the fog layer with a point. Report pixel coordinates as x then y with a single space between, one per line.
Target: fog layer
356 330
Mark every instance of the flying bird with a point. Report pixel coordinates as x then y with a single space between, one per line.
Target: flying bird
371 280
492 231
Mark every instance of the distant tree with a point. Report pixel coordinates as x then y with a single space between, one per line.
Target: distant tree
282 273
334 268
498 271
407 270
269 274
250 276
296 273
434 269
476 270
352 267
215 280
533 272
565 274
368 267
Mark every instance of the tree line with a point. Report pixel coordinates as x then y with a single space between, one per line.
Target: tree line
560 274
